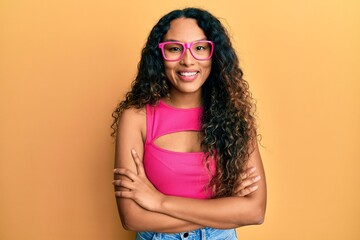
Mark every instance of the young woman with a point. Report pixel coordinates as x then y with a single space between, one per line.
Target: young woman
187 161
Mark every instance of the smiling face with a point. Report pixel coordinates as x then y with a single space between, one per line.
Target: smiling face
188 74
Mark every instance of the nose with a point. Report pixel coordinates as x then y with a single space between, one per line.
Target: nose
188 58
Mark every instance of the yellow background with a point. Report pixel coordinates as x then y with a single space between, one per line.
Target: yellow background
64 65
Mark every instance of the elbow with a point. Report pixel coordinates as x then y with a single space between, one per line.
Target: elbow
128 222
258 216
129 225
255 216
126 225
258 212
129 215
259 219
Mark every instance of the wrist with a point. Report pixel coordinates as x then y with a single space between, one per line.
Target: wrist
160 204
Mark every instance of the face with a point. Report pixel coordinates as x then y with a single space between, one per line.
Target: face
188 74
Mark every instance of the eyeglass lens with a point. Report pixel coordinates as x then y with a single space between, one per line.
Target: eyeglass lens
200 50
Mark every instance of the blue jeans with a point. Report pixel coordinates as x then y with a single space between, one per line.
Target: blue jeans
200 234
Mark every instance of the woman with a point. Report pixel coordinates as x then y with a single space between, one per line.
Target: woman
187 161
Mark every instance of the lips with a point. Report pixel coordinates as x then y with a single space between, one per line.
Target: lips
188 74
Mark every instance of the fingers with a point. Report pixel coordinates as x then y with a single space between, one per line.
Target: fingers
124 194
247 186
249 181
125 172
247 191
127 187
248 173
138 162
123 183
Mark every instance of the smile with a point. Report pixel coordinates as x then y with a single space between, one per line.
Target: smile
188 74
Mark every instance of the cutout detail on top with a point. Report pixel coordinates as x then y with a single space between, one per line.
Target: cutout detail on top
183 141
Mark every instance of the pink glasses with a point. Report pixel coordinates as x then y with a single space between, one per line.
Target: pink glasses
173 51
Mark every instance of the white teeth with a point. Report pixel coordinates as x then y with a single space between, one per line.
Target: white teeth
188 74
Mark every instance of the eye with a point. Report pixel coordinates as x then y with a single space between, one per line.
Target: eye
199 48
174 49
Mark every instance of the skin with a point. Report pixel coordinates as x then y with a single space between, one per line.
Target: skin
185 93
141 206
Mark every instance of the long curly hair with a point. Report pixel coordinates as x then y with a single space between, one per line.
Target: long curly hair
228 122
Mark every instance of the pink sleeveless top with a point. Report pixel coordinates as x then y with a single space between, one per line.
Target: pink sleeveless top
175 173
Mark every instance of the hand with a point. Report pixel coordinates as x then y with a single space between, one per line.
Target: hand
248 183
137 187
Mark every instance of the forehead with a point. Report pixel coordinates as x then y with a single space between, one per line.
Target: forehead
184 30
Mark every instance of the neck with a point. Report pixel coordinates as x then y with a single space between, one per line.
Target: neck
184 100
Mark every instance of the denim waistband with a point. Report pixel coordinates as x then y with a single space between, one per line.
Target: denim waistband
199 234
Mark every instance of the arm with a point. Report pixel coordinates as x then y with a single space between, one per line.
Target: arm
226 212
131 134
219 213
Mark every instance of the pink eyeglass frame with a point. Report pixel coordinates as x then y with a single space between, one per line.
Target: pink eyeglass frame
187 46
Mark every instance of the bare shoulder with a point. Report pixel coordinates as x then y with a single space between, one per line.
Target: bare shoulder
133 119
133 114
130 135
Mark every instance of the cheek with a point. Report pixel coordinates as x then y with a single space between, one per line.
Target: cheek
207 67
169 69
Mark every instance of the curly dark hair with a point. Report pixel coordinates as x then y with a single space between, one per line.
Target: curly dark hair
228 123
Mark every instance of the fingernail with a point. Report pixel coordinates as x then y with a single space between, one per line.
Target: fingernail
257 178
133 151
252 169
254 188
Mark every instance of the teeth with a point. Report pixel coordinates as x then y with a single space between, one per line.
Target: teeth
188 74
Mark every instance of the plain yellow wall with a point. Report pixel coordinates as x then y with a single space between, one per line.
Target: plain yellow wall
65 64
